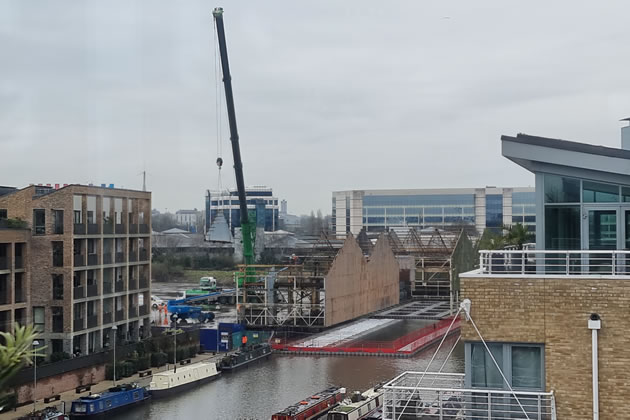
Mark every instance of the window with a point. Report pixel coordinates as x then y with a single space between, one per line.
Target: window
78 209
58 222
562 227
521 364
57 280
3 214
39 318
39 221
594 192
561 190
57 319
57 253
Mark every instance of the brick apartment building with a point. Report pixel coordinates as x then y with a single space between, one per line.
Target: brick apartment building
89 264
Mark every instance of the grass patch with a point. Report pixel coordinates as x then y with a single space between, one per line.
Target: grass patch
224 278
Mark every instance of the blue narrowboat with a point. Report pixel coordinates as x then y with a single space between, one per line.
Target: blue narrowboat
115 399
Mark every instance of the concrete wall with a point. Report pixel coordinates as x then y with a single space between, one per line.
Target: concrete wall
554 312
357 285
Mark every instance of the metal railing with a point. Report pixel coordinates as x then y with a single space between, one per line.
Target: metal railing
92 321
79 229
144 255
93 229
107 318
120 257
79 260
78 292
416 395
78 324
107 287
92 290
555 262
107 258
119 229
92 259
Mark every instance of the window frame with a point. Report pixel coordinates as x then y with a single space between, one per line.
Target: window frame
506 363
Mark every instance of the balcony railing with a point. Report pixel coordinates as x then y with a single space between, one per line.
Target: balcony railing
93 229
143 283
418 395
133 255
120 229
144 228
143 310
79 229
108 228
133 311
107 287
555 262
78 324
78 292
92 290
133 284
79 260
133 228
107 258
107 318
120 315
4 263
120 286
92 259
19 262
120 257
144 255
92 321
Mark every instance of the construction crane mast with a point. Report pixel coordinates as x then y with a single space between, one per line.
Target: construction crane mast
248 227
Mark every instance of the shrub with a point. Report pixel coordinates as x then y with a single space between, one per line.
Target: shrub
143 363
158 359
58 356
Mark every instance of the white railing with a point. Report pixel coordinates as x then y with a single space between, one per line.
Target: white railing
415 395
560 262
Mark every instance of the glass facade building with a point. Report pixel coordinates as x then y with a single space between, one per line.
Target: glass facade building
261 205
476 208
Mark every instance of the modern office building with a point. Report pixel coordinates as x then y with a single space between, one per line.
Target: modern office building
260 202
89 263
478 208
188 218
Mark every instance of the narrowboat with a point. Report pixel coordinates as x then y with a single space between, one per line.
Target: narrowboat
48 413
360 406
113 400
313 407
171 382
244 356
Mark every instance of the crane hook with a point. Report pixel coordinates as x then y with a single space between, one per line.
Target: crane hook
219 162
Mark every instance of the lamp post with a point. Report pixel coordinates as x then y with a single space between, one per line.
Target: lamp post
114 329
174 318
35 344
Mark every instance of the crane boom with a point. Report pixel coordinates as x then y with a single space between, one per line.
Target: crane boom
248 228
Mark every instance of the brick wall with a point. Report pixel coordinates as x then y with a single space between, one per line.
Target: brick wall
555 311
47 387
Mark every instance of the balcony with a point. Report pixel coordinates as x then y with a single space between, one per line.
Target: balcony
92 259
443 396
144 228
143 310
120 286
78 324
498 263
107 318
93 229
79 229
79 260
120 315
4 263
120 229
92 321
57 324
78 292
143 283
120 257
19 262
144 255
108 228
107 287
133 228
133 256
133 312
92 290
107 258
133 284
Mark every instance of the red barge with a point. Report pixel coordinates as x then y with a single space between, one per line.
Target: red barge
312 407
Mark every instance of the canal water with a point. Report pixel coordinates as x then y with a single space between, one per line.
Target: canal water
270 385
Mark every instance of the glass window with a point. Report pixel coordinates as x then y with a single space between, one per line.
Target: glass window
494 210
484 373
625 194
562 227
39 317
433 210
561 190
517 219
594 192
527 367
39 220
3 214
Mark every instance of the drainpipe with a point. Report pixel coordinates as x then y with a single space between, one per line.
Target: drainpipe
594 324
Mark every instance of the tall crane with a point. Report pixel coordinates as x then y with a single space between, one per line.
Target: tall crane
248 227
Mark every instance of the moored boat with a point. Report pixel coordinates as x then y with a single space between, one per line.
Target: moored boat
313 407
113 400
167 383
244 356
359 406
48 413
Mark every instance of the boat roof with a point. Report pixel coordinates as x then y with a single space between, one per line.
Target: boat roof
184 369
369 395
109 393
308 402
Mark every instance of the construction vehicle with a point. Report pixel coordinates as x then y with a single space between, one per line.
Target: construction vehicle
185 308
248 225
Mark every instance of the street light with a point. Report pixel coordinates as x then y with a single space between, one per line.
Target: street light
114 328
174 318
35 345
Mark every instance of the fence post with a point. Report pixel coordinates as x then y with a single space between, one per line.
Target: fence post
489 406
481 261
523 262
440 404
539 407
614 262
568 259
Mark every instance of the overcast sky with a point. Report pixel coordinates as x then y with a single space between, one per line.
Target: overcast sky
330 95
